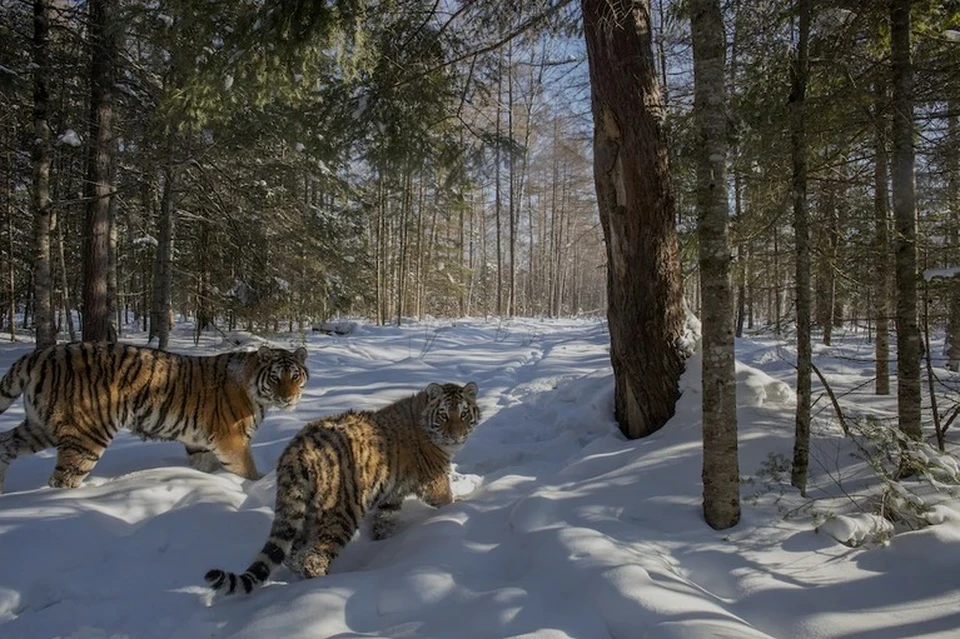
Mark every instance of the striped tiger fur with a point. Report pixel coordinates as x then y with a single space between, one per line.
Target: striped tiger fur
77 397
338 469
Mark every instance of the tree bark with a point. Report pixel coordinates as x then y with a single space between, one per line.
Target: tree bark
826 282
882 241
721 470
953 205
43 215
65 283
98 188
637 213
801 225
905 219
163 266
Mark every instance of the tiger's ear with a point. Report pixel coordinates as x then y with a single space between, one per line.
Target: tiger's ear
434 390
470 390
300 355
265 353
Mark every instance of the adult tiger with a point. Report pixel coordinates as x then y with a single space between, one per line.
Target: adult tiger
78 396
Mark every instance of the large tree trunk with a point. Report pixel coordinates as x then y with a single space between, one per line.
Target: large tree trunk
99 189
905 219
42 157
721 470
801 226
637 212
881 292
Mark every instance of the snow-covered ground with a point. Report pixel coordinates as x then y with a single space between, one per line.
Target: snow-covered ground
562 528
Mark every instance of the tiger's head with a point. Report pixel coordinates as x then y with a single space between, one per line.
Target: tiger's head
281 376
451 413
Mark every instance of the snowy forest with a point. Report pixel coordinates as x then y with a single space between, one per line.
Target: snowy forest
701 257
266 170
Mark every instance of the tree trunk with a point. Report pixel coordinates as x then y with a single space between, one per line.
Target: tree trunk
721 470
98 188
497 191
905 219
881 290
163 266
65 283
801 225
826 282
43 214
953 204
112 275
513 203
11 270
405 206
637 213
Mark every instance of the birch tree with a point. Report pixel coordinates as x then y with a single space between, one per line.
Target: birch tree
721 471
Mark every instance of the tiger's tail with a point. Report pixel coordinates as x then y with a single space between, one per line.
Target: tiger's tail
291 510
26 438
13 383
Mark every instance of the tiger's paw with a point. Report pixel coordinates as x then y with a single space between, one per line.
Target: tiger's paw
204 461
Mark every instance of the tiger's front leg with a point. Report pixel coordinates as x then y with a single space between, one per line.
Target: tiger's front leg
437 491
235 455
202 459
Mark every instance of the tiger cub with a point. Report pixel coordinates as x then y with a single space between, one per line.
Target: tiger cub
338 469
77 397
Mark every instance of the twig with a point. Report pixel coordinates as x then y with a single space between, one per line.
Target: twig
833 399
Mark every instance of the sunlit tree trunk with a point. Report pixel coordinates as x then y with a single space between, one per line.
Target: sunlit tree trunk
721 471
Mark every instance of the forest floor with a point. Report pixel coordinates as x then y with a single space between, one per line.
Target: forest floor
562 528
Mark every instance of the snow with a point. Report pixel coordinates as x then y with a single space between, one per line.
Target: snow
932 273
561 527
857 529
70 138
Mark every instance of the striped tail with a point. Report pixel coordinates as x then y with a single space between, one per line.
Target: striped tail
228 583
287 526
13 383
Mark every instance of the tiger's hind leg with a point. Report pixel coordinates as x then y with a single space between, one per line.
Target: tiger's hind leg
202 459
25 439
77 454
384 520
328 538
